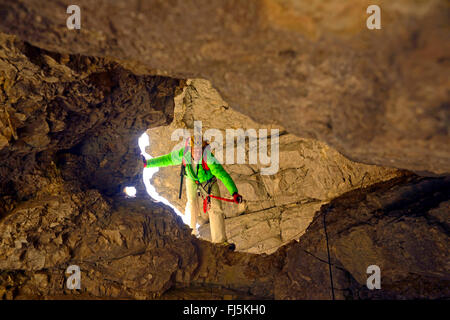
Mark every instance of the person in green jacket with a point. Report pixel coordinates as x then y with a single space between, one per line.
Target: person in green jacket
202 171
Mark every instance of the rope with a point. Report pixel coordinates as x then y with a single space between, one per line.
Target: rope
328 252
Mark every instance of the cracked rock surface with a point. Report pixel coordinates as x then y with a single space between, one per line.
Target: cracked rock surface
377 96
279 207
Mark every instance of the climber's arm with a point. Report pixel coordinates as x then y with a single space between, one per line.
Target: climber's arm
171 159
218 171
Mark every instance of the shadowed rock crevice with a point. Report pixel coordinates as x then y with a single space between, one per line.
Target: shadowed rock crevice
89 111
279 207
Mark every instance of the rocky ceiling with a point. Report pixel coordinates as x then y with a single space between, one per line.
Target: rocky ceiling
378 97
357 107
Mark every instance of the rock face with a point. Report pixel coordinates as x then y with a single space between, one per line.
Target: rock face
279 207
89 110
377 96
131 248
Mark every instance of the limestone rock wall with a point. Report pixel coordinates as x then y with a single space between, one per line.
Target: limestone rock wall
132 248
377 96
278 207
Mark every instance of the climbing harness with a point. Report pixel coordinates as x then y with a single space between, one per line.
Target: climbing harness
204 191
183 165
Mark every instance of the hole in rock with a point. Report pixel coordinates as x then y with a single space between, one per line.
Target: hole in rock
143 142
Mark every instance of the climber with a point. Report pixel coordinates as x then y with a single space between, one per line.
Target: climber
201 169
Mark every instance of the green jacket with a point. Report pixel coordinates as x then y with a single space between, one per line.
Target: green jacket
215 168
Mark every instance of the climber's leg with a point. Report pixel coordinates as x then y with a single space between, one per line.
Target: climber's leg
192 203
216 217
202 217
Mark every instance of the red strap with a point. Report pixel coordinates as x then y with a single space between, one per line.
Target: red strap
205 205
223 199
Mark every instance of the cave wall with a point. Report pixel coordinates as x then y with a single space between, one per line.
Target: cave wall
278 207
68 145
70 125
400 225
132 248
376 96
